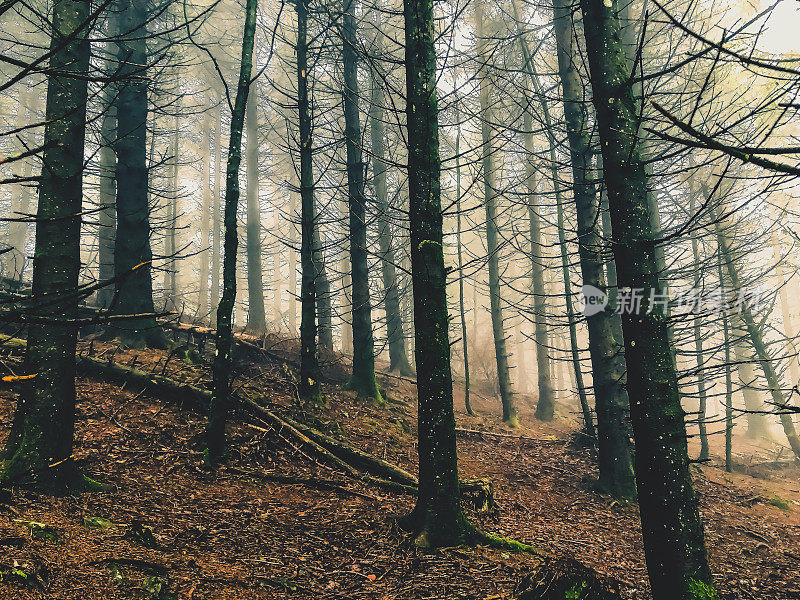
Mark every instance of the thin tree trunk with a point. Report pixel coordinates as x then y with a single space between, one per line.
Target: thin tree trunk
205 218
309 366
293 266
698 343
462 311
39 447
171 241
14 261
216 232
492 234
256 317
671 527
107 217
220 399
728 380
362 380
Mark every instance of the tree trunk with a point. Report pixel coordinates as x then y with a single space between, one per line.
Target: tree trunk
698 340
671 527
437 519
39 447
462 311
256 317
205 218
608 369
220 399
398 354
492 243
171 236
14 261
363 379
132 253
309 366
293 266
216 232
107 217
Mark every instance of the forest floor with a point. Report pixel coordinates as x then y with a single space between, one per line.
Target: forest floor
168 529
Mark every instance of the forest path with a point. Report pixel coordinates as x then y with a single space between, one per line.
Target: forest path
236 535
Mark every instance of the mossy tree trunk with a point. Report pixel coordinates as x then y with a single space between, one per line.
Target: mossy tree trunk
220 399
437 519
362 380
671 527
39 447
615 458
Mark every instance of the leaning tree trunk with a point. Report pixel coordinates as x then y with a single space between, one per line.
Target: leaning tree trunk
39 447
437 519
221 395
132 253
363 379
671 527
492 233
615 459
309 366
256 318
398 354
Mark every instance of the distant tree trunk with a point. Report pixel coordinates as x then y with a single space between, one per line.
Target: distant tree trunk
220 399
323 290
362 380
293 266
346 307
728 380
215 224
698 340
398 354
756 339
437 519
205 218
15 260
256 317
107 217
546 396
462 311
671 527
132 253
38 450
492 243
171 236
608 369
309 366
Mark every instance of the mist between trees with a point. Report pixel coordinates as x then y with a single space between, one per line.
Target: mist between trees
425 189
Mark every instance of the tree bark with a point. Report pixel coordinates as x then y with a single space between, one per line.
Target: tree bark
107 217
216 232
205 218
39 447
363 378
220 400
671 527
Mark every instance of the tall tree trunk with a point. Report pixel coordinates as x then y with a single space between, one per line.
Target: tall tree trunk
323 289
492 243
220 399
671 527
362 380
293 266
615 459
216 231
309 366
14 261
205 218
107 217
437 519
538 291
256 318
698 341
462 311
398 354
171 236
728 379
38 450
132 253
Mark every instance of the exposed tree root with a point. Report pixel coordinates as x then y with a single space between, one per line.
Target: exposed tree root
564 577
